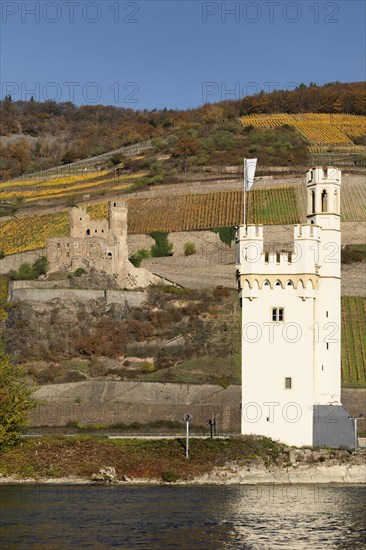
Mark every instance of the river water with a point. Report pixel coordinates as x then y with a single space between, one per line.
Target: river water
182 517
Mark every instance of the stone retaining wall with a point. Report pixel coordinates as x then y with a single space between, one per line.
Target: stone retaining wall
131 299
113 402
109 402
14 261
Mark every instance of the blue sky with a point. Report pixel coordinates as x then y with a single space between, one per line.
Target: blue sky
175 54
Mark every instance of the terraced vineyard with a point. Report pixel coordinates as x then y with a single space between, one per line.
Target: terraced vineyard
32 232
276 205
204 211
181 213
267 207
66 186
353 341
317 129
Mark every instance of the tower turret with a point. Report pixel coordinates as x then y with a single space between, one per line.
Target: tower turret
323 196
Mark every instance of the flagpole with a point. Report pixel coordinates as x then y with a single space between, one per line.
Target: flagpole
244 195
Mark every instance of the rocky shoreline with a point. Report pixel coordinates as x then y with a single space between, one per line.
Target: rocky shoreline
228 475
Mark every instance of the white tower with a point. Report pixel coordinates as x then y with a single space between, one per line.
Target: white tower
291 370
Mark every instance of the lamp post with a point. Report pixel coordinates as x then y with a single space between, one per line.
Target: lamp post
355 418
212 423
187 417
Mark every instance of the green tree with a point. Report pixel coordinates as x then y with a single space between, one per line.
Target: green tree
226 234
162 246
137 258
40 266
15 401
27 272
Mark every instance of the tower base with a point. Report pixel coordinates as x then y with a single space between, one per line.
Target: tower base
332 426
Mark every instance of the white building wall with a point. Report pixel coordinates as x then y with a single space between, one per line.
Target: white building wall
273 351
305 346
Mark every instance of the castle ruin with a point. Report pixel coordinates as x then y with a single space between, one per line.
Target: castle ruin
98 244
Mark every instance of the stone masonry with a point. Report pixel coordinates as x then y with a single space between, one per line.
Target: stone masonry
98 244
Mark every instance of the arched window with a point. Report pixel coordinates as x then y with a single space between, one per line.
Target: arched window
312 198
324 201
88 232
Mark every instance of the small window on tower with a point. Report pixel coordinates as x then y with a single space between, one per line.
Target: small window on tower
277 314
288 383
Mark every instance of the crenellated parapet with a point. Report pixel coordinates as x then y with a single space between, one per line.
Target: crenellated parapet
299 263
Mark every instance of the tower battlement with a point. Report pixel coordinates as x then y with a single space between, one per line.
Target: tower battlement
302 257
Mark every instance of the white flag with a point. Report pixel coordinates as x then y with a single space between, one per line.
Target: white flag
250 165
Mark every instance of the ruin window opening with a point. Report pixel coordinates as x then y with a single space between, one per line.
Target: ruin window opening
88 232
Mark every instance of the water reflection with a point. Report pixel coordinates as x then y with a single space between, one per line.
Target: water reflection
183 518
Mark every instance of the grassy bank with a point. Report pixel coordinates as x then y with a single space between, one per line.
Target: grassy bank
82 456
